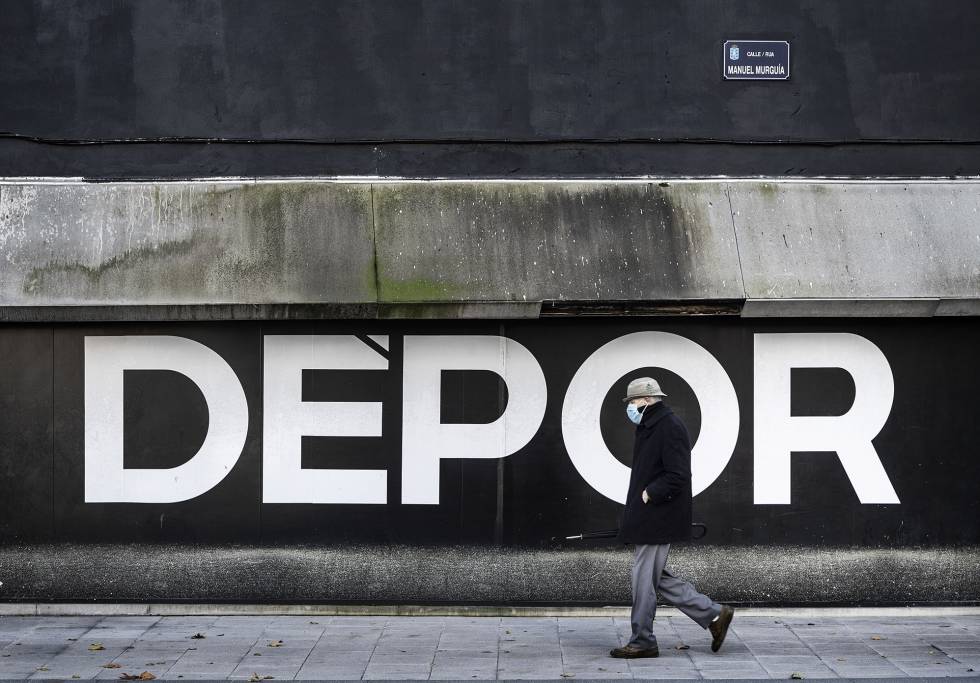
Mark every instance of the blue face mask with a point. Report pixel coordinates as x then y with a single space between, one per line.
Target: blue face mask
634 414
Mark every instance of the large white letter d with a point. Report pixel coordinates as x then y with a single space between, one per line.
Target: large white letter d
106 359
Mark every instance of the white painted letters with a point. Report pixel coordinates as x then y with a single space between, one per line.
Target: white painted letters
777 433
106 358
425 440
287 419
583 401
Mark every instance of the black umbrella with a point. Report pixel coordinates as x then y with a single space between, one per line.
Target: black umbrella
612 533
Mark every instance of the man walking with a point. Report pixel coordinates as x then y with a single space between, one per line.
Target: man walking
658 513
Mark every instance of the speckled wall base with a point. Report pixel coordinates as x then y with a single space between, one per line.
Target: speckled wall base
757 575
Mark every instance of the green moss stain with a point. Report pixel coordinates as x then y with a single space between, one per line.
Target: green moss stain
768 190
416 289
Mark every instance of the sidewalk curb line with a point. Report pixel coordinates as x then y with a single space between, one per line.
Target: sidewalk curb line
215 609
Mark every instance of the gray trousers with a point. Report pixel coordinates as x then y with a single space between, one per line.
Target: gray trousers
650 574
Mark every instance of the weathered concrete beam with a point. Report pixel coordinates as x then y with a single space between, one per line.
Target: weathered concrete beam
865 248
322 248
200 243
528 241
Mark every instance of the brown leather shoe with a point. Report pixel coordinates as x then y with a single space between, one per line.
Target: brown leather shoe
633 652
719 627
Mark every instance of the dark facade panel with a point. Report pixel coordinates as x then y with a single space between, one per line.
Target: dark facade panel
26 433
485 70
925 446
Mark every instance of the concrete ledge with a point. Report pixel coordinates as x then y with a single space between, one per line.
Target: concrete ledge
228 249
839 308
958 307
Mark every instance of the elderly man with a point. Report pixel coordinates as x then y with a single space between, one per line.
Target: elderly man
658 513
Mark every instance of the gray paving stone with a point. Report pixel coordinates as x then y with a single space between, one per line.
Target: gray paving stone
451 656
463 672
187 676
404 670
218 669
66 668
870 672
734 675
329 674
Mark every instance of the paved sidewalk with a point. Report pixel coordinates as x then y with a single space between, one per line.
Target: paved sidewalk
287 647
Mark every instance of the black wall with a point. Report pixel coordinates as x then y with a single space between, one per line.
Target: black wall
536 87
928 446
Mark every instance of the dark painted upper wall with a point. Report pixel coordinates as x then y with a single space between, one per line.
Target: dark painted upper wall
485 69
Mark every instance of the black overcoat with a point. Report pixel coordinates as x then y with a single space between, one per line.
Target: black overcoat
662 466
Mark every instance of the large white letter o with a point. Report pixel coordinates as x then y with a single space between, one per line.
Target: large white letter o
705 375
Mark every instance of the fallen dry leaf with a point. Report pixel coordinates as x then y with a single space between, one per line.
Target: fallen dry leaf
257 677
682 647
568 675
42 668
95 646
876 638
796 676
112 665
275 643
145 676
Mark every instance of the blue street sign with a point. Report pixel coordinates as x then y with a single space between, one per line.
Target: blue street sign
756 60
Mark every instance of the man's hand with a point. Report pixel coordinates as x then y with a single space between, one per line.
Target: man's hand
646 498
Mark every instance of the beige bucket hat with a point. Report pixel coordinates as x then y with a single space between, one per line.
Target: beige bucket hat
644 386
